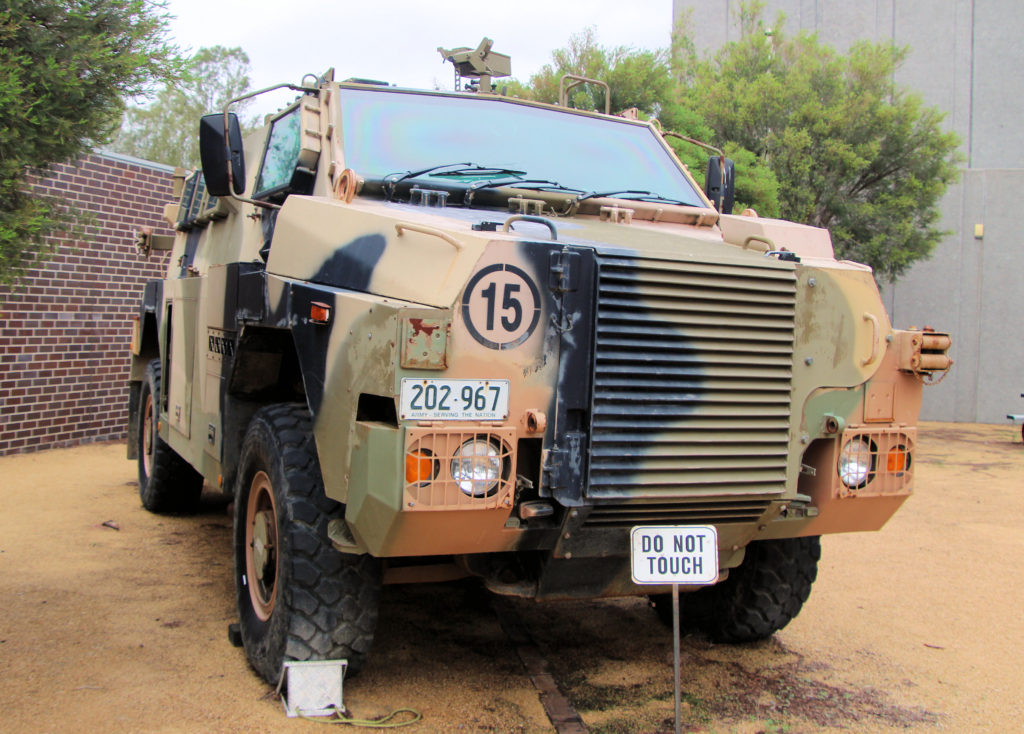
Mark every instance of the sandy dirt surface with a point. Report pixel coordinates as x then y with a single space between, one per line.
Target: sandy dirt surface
916 627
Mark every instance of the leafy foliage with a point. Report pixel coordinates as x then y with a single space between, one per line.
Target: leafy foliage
852 151
65 68
640 79
166 131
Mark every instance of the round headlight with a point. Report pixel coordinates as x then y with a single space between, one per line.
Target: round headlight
856 463
476 467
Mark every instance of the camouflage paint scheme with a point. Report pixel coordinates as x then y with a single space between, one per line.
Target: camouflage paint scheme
776 362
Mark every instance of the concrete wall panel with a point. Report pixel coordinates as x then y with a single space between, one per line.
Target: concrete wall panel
998 136
1001 263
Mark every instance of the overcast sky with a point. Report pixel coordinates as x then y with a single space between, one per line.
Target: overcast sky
396 40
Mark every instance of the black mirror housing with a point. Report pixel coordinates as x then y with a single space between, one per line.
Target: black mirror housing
720 183
214 154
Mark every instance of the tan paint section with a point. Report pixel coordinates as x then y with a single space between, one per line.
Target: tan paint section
840 510
184 297
361 358
310 230
212 366
378 503
761 234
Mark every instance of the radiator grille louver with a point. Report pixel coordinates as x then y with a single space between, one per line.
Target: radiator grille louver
692 386
715 511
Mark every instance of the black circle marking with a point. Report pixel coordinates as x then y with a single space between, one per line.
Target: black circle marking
468 294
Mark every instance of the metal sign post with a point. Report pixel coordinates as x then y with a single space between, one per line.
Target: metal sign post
675 651
686 554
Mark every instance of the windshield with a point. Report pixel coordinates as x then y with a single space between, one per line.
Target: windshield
386 132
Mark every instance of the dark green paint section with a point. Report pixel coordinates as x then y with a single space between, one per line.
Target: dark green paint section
352 265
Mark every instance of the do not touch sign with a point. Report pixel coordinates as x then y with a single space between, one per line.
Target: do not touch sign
686 554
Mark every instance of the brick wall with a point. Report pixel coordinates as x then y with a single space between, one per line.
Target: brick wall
65 331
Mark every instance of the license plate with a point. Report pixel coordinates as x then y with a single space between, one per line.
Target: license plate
454 400
682 554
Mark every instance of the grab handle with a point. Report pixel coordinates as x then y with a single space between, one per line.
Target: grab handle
403 226
875 330
527 218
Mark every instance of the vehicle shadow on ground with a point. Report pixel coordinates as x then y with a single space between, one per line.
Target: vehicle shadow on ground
613 661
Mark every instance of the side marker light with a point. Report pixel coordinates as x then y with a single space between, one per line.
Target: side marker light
319 313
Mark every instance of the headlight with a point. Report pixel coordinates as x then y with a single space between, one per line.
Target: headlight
856 462
476 467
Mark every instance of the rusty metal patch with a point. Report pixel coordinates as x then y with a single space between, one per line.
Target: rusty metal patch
425 343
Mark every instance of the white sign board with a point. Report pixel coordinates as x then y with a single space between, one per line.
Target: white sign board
684 554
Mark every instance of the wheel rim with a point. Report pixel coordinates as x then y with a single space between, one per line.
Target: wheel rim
261 546
148 430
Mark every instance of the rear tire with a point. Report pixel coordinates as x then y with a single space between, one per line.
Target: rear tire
759 598
298 597
167 483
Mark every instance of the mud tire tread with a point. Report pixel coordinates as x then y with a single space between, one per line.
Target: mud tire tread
172 485
759 598
327 600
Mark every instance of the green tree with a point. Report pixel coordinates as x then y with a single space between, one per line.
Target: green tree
65 68
638 78
167 130
852 151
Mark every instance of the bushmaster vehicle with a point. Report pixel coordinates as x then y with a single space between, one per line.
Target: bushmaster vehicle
422 335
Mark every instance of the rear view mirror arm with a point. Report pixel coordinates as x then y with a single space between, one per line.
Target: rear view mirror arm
724 199
227 139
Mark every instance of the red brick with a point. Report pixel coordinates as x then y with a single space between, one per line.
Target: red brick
69 319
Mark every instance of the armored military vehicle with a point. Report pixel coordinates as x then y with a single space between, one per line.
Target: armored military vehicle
423 335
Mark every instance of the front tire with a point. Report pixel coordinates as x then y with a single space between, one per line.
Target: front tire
167 483
298 597
758 598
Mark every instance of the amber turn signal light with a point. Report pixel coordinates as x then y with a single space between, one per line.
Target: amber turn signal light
896 461
419 467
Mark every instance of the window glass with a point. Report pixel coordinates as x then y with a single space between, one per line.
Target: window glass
197 198
281 155
388 131
187 194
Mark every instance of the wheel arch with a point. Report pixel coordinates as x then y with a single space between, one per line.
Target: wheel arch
148 350
266 371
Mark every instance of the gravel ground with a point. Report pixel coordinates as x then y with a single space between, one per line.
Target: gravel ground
915 627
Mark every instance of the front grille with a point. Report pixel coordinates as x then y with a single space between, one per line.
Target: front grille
692 380
717 511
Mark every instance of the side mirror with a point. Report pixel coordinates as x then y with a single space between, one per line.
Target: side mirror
720 184
214 154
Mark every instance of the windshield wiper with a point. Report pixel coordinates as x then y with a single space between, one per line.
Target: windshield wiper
637 195
475 170
534 184
451 169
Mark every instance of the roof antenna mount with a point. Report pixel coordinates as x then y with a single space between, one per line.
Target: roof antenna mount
480 64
